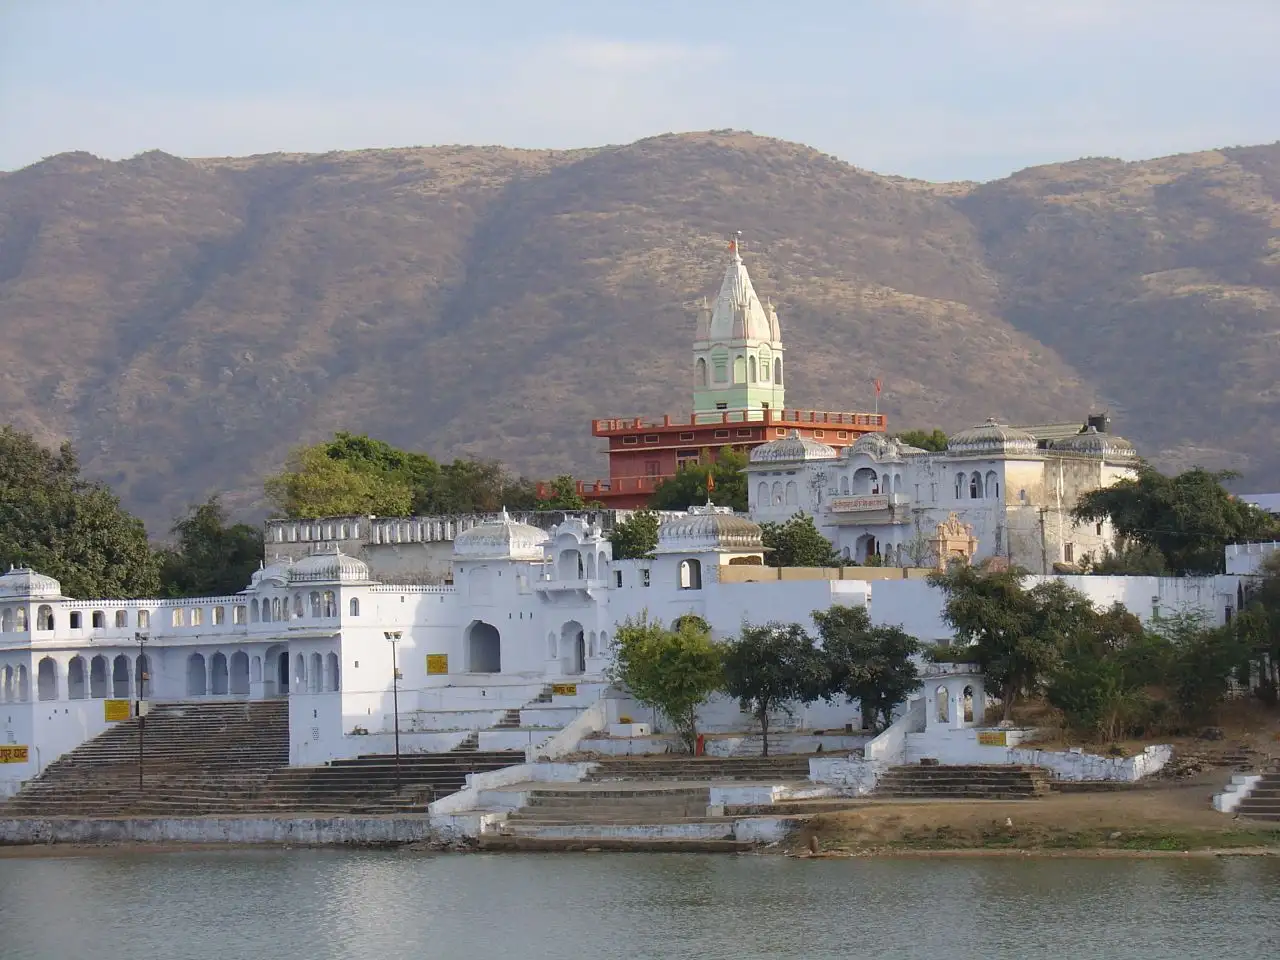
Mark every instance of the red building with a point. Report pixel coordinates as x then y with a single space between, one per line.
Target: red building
738 401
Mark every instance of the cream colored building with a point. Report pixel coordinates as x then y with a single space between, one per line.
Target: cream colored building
881 497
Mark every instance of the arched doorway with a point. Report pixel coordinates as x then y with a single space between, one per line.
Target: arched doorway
47 679
98 677
76 686
120 677
484 648
240 674
218 674
197 685
573 648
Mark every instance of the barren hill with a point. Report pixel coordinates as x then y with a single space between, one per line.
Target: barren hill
186 321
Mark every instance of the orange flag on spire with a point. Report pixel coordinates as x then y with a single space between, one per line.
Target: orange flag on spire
877 387
711 482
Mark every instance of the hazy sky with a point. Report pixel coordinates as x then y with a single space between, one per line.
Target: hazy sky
942 89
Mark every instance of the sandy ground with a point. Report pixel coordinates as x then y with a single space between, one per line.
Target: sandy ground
1171 817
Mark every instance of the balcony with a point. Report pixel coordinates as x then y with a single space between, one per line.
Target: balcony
867 422
867 502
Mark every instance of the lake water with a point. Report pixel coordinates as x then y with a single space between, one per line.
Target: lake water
317 905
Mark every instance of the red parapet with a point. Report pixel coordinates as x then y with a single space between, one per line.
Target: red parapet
776 418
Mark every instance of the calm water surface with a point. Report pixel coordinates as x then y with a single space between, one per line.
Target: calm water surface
316 905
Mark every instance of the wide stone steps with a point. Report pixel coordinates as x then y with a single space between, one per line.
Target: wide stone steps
964 783
526 844
767 769
1263 801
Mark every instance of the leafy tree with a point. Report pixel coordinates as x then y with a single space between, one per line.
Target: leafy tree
480 486
1203 660
674 670
209 558
313 484
1126 559
1258 627
934 440
689 485
772 667
797 543
1017 635
419 472
870 664
1100 682
53 520
562 495
1187 519
636 537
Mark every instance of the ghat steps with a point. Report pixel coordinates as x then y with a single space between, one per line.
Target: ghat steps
231 758
964 782
780 769
1263 801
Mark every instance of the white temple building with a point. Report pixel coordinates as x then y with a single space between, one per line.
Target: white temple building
880 500
525 629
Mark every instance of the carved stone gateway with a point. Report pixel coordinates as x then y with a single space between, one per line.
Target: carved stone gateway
954 541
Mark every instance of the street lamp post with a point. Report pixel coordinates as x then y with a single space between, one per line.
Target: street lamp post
142 689
393 637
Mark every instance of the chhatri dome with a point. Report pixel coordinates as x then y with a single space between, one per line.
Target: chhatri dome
329 566
708 529
737 349
501 539
992 439
1091 443
23 582
792 448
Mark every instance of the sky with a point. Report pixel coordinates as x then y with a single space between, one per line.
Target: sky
936 89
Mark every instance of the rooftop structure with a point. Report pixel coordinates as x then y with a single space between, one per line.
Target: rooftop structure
739 400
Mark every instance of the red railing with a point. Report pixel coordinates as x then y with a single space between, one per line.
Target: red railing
779 418
615 486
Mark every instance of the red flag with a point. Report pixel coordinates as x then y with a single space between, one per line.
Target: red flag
877 387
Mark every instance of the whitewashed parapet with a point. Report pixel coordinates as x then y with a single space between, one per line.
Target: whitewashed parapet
852 776
591 720
890 747
468 798
1241 786
1075 765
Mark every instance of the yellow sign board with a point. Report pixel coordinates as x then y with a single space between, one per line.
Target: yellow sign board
993 738
113 710
437 664
14 754
564 689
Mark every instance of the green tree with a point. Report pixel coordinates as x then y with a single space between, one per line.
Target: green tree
1258 627
481 486
313 484
1100 682
1188 519
772 667
797 543
562 495
209 557
870 664
688 487
673 670
636 537
1126 559
1203 661
934 440
1016 635
417 471
56 522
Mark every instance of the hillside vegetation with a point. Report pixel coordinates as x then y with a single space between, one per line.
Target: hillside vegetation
186 322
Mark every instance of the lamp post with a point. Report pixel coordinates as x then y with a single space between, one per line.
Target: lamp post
142 689
393 637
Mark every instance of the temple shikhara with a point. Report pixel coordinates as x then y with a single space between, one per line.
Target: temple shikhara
739 400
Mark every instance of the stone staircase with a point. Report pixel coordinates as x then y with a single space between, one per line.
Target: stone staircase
232 759
1263 801
468 744
673 767
510 721
929 782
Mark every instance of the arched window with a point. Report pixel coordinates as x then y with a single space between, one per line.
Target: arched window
6 620
354 606
297 607
700 372
218 616
864 482
197 616
300 673
98 678
940 695
20 620
99 620
975 486
777 370
176 616
762 494
330 604
765 365
144 619
240 614
739 369
44 618
47 679
777 495
751 369
960 486
24 684
316 610
333 674
690 574
316 677
76 686
992 486
122 619
720 367
254 615
793 493
276 607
